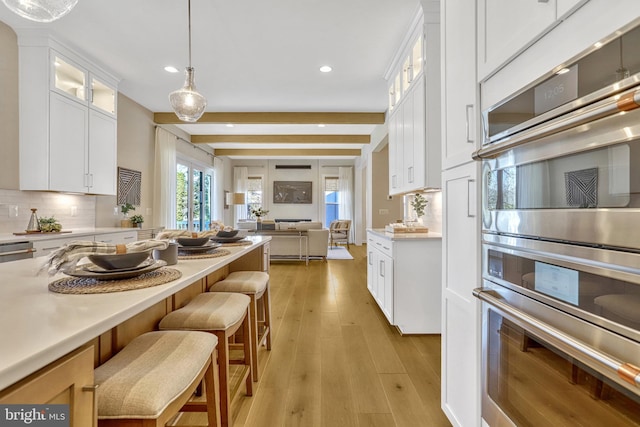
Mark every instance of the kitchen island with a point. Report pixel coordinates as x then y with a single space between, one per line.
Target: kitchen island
38 327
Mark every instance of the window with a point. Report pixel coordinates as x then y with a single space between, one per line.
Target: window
255 194
194 185
331 200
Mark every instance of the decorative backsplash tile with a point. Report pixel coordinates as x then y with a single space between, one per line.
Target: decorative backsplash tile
73 211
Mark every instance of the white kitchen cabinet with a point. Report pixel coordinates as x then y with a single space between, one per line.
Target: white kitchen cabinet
459 95
396 151
507 27
68 139
403 276
123 237
45 246
460 310
414 117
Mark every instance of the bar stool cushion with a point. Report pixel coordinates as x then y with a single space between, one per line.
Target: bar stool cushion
208 312
246 282
151 372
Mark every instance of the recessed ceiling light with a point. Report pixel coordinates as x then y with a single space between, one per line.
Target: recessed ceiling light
321 125
171 69
325 69
229 125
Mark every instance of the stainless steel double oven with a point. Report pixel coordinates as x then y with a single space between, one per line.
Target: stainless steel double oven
561 245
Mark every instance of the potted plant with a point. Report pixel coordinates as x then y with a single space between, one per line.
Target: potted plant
137 220
49 225
125 209
418 203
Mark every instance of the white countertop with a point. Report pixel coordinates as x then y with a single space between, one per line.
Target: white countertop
79 233
38 326
404 236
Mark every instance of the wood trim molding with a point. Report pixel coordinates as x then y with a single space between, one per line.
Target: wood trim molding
287 152
279 118
297 139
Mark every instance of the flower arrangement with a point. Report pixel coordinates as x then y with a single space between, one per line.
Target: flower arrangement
137 220
418 204
259 212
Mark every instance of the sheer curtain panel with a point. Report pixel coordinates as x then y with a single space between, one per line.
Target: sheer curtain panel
240 177
345 191
164 197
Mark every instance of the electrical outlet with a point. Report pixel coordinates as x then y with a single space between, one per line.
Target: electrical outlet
149 212
383 211
13 211
74 210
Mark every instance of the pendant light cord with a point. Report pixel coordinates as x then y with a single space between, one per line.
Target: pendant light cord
189 13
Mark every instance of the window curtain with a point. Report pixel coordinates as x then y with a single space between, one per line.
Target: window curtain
218 191
345 194
164 197
240 178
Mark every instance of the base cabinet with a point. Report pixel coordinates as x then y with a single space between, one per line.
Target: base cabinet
67 381
403 276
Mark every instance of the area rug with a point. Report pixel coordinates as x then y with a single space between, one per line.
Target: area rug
338 252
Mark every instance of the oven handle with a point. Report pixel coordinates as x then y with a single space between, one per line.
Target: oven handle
626 371
626 101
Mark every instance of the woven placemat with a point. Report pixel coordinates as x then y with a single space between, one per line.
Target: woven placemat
215 254
85 285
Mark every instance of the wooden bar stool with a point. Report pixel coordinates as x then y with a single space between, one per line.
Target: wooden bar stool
150 380
222 314
254 284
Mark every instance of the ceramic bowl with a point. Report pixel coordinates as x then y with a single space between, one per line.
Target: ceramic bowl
119 261
192 241
229 233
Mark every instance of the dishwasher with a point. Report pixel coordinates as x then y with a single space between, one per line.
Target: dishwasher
16 250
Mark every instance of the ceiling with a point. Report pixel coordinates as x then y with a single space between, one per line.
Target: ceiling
250 56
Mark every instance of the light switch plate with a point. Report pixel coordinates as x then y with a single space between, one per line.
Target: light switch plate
13 211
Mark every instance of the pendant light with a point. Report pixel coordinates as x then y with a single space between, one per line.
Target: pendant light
40 10
186 102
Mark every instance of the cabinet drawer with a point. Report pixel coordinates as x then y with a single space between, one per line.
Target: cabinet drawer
45 247
381 244
118 238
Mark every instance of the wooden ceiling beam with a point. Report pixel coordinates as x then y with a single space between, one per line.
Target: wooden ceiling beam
278 118
298 139
285 152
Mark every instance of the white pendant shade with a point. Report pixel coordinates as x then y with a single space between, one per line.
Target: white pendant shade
41 10
187 103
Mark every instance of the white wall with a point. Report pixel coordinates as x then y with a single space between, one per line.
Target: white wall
267 169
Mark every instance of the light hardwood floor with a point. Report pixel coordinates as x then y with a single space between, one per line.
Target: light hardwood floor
335 361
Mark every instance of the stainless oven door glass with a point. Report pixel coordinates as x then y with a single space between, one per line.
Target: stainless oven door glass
536 384
599 178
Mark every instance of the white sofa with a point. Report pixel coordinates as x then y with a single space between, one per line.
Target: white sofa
283 246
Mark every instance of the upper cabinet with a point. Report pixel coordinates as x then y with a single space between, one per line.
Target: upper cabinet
414 109
507 27
459 83
68 120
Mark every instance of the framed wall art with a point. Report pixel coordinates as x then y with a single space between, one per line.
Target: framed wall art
129 186
292 192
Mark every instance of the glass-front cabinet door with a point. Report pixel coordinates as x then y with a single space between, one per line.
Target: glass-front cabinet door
103 96
69 79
